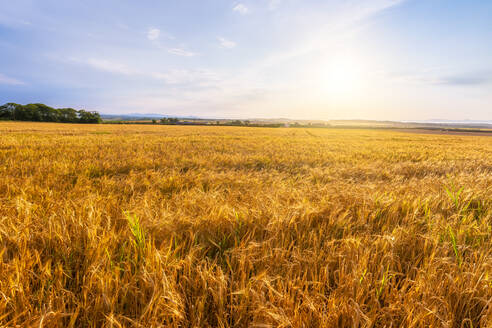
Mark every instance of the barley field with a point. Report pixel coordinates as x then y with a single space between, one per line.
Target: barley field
181 226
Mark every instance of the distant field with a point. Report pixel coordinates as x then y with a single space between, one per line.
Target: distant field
195 226
459 132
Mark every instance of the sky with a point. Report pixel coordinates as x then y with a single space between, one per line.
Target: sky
299 59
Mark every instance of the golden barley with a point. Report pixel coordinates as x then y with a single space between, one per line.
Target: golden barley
169 226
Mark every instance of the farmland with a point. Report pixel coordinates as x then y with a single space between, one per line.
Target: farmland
196 226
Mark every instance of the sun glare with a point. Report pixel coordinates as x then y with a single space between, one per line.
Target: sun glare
342 76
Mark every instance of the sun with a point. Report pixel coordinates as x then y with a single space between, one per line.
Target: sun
341 76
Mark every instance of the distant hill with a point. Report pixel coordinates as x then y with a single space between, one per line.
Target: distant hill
434 123
131 117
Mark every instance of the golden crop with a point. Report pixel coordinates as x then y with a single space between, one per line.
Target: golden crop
176 226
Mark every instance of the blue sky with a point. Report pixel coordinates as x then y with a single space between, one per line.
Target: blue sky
305 59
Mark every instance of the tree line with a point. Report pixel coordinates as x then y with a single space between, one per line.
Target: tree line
44 113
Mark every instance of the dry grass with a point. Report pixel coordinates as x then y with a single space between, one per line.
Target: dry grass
162 226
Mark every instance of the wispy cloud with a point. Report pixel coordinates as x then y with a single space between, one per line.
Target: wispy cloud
13 22
241 8
110 66
443 76
4 79
197 78
329 32
467 79
181 52
153 34
189 77
274 4
224 43
176 50
104 65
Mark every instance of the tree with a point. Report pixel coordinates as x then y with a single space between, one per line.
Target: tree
169 120
44 113
88 117
28 112
7 111
67 115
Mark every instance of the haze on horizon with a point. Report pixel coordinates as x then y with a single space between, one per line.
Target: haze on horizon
309 59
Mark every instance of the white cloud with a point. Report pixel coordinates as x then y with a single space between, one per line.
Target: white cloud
9 80
105 65
181 52
197 78
224 43
153 34
122 26
241 8
14 22
273 4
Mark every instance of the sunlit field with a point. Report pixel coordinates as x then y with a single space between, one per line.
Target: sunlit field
169 226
